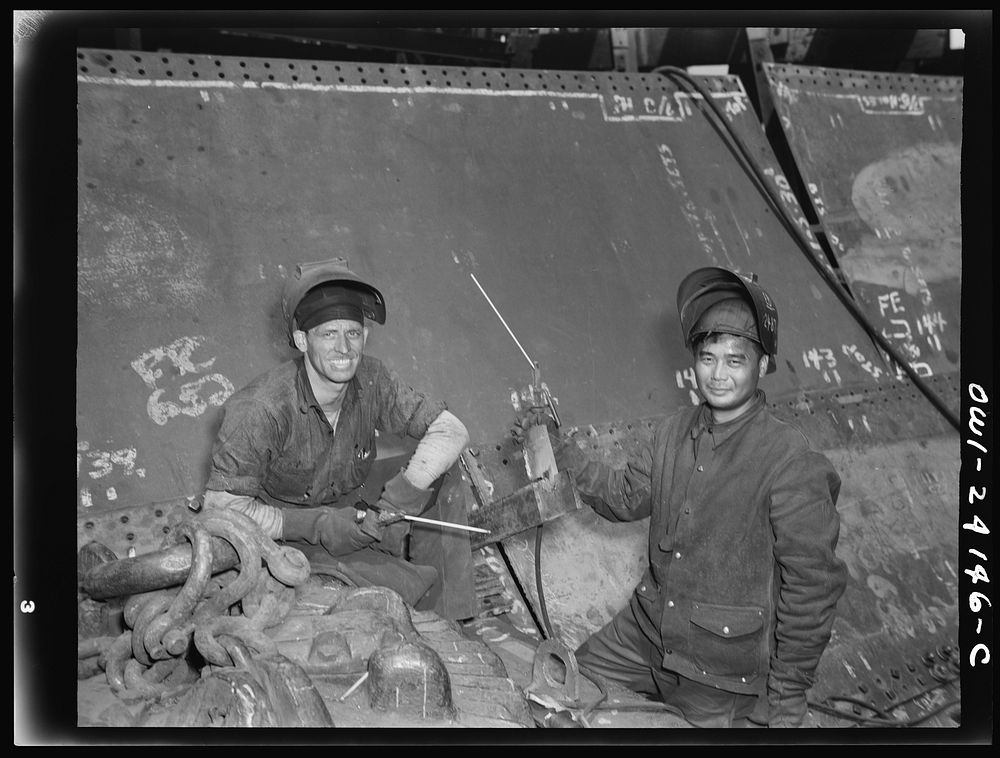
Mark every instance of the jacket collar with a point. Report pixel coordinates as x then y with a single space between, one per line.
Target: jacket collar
705 421
306 396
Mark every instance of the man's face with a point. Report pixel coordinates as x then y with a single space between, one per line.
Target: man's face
727 370
333 348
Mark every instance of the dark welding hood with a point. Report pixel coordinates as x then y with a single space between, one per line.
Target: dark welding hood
704 287
334 271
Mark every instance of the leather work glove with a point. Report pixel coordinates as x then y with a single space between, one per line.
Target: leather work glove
338 530
386 527
788 710
394 537
786 698
568 455
400 496
534 416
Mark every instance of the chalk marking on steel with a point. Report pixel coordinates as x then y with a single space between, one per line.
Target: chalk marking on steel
386 89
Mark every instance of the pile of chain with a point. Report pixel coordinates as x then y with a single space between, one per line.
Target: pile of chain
220 618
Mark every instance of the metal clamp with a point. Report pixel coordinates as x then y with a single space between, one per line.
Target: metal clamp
544 686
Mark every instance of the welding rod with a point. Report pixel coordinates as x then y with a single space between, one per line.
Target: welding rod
446 523
533 366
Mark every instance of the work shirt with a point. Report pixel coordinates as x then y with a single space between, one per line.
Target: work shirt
742 581
276 443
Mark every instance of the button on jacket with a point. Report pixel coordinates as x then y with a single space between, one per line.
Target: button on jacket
276 443
743 581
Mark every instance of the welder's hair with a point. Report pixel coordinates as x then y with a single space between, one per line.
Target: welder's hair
754 348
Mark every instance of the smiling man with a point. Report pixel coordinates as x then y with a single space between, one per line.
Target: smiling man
729 622
297 452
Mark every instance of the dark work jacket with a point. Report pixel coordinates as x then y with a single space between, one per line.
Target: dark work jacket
275 442
743 581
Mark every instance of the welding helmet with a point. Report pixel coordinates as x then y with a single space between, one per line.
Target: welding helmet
309 276
707 287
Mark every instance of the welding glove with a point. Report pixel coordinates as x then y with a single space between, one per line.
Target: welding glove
388 529
534 416
394 539
338 530
786 695
568 455
400 496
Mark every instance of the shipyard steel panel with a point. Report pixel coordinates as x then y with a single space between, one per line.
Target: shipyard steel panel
579 201
880 154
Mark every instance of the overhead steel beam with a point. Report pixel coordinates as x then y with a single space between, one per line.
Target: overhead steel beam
438 44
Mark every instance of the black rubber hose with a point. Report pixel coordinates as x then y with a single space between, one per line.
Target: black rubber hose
549 634
884 719
798 235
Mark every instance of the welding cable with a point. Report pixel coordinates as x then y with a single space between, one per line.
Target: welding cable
884 718
859 720
880 716
549 634
866 721
760 180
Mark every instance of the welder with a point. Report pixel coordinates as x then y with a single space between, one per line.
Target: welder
729 621
297 446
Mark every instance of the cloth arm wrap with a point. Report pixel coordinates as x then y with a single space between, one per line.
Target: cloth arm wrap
268 517
437 450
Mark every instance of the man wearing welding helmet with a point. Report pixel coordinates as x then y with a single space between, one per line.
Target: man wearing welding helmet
735 609
297 452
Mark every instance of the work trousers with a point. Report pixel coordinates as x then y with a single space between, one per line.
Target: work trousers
437 575
621 653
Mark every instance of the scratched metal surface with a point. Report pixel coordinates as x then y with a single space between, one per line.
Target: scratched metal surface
578 201
894 648
881 156
899 465
899 538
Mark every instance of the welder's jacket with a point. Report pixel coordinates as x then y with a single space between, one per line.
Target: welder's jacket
276 443
743 581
